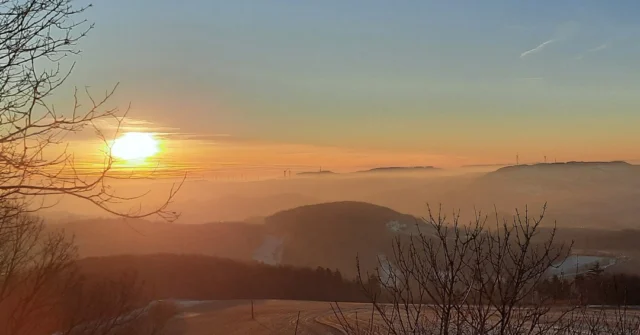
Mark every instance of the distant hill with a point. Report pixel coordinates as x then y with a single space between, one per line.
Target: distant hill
483 165
563 174
332 214
580 194
328 234
334 233
389 169
315 173
382 169
566 167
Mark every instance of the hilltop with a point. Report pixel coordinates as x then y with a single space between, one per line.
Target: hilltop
566 177
342 214
334 233
566 166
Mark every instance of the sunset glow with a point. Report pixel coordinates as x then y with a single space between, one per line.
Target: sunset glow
262 100
135 146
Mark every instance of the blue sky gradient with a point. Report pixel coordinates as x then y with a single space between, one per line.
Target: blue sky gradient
474 79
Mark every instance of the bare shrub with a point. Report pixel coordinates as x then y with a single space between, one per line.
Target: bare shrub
42 291
35 270
478 278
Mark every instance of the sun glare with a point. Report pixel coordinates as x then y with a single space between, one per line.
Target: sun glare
135 146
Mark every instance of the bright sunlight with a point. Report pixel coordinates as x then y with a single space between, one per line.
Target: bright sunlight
135 146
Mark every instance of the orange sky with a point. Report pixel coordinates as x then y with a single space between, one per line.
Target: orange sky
228 155
266 87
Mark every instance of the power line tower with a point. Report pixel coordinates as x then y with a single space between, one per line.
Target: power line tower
545 159
517 159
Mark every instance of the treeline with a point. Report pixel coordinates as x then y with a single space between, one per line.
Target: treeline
594 289
200 277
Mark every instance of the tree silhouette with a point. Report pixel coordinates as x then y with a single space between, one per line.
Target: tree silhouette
37 269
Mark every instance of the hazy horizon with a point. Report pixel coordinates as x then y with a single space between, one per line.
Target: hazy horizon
249 85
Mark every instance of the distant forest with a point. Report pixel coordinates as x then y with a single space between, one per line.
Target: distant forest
597 289
199 277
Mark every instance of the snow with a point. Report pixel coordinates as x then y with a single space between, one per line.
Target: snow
577 264
188 303
396 226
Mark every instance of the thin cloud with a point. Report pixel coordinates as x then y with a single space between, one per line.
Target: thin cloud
563 32
200 137
131 124
599 48
538 48
592 50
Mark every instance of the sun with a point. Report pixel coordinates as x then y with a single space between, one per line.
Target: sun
135 146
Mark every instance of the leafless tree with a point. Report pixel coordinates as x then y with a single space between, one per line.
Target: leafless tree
478 278
40 285
33 271
35 37
42 289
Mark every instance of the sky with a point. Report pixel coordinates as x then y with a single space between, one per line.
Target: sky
344 85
